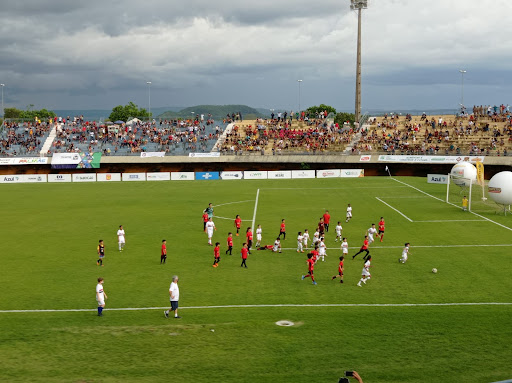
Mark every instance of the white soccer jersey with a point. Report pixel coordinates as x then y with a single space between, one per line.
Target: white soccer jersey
120 235
349 211
258 234
305 238
344 247
366 268
276 245
371 232
209 228
100 297
299 239
338 229
321 248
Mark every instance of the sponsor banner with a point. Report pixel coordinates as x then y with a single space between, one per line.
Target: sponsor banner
212 154
24 161
158 176
437 179
134 176
431 159
255 175
279 174
351 173
34 178
108 177
152 154
231 175
365 158
328 173
89 177
59 177
182 176
207 176
303 174
78 160
11 178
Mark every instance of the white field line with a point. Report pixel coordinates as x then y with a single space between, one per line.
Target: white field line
345 188
456 220
439 199
411 196
230 203
398 211
414 246
255 209
216 216
270 305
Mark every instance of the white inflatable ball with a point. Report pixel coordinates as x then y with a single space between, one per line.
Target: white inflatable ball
500 188
463 173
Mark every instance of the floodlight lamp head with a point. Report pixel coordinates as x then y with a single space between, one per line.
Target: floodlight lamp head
358 4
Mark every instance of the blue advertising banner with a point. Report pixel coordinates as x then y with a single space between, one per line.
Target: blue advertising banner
207 176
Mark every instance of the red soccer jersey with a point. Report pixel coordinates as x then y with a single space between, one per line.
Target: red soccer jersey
205 217
381 225
230 241
340 267
244 252
327 218
315 255
321 227
283 227
238 222
311 264
216 251
249 235
365 244
164 249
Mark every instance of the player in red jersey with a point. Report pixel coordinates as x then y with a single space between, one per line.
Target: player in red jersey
381 228
205 219
282 230
327 219
238 224
216 254
321 227
244 253
248 235
340 270
230 243
163 254
363 248
314 253
311 267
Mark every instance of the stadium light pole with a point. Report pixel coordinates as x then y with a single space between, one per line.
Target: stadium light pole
299 81
3 113
358 5
462 71
149 98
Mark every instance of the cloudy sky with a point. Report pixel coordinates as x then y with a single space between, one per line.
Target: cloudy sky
63 54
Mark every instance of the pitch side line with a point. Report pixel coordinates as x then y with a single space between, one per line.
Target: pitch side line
439 199
230 203
398 211
270 305
455 220
255 209
347 188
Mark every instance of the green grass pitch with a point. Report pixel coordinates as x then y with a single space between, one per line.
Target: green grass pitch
48 261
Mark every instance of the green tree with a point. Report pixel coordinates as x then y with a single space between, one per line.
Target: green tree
12 113
341 118
312 111
124 113
28 114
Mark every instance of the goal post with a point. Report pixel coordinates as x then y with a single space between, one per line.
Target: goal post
458 187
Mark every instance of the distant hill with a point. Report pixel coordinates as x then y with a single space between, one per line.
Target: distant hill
217 111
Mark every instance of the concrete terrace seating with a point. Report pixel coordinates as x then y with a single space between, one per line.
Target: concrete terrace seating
23 139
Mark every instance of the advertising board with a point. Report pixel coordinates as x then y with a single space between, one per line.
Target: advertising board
158 176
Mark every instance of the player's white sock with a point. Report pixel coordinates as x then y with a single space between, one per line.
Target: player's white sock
119 247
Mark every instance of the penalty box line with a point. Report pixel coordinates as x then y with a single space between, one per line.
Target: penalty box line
270 306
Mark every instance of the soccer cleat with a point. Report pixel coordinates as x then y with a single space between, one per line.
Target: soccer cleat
100 314
166 314
97 263
178 317
302 278
359 284
314 282
341 281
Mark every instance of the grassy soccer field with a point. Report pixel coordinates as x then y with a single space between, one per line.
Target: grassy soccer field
405 325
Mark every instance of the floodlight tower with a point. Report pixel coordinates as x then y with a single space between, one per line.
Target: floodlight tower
358 5
462 71
3 113
149 99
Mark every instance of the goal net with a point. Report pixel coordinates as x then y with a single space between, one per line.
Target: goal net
458 188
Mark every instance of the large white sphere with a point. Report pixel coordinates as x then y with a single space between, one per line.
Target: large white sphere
463 173
500 188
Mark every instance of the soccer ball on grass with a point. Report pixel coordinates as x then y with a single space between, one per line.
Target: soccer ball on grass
434 270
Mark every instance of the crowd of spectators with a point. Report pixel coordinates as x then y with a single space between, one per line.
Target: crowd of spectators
23 138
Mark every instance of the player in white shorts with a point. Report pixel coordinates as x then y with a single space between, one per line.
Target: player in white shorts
344 246
305 238
316 238
259 232
300 238
405 253
120 238
349 213
338 230
370 232
365 274
210 227
322 252
277 245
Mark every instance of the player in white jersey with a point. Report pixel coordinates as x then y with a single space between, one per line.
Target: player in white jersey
322 249
349 213
370 232
277 245
365 274
305 238
259 233
338 230
100 296
210 227
300 238
120 238
405 253
316 237
344 246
